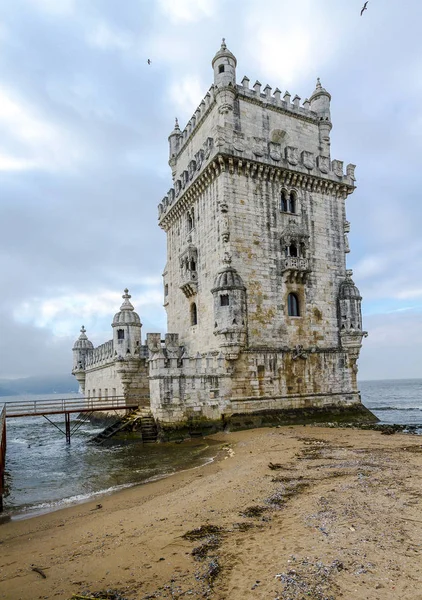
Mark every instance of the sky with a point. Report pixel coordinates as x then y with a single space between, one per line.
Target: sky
84 122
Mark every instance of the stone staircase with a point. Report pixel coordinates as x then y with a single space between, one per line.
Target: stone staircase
139 419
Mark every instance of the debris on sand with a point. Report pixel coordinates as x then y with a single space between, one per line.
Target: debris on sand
201 532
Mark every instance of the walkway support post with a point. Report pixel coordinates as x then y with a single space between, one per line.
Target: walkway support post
67 425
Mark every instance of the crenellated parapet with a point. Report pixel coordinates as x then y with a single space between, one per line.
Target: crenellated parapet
178 139
168 358
101 355
292 167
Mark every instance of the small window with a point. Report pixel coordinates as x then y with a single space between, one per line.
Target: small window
190 220
221 69
283 201
193 314
293 250
224 300
293 305
192 265
120 334
166 289
292 202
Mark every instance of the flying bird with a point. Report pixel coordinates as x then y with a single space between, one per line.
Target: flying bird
149 61
364 8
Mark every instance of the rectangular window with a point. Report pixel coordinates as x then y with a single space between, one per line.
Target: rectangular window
224 300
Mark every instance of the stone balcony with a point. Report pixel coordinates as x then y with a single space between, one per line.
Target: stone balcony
189 282
295 269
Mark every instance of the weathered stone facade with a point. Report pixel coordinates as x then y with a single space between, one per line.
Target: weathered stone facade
263 313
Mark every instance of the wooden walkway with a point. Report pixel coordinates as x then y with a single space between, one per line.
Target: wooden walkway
2 453
60 406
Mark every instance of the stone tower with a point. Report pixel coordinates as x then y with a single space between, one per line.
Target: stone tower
263 313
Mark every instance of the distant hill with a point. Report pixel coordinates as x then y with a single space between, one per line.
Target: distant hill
58 384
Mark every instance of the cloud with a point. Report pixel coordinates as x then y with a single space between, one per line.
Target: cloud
186 94
187 10
104 37
84 123
34 142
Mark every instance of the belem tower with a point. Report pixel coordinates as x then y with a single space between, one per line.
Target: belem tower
263 315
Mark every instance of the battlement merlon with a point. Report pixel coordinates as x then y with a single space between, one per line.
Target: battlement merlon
225 91
311 173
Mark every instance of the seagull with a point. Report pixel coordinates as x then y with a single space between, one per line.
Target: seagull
149 61
364 8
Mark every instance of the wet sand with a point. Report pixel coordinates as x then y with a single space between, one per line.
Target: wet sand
283 513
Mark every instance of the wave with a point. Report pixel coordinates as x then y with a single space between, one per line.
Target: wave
395 408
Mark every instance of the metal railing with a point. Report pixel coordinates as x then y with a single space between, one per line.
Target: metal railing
53 406
2 453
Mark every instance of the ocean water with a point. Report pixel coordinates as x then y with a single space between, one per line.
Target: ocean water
43 473
394 401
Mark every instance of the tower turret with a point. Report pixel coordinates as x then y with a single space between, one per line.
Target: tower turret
126 329
230 312
350 319
224 65
320 103
174 143
81 349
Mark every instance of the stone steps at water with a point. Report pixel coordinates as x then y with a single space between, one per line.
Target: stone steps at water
140 419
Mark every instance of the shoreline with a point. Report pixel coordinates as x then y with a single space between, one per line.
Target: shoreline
101 494
281 512
68 502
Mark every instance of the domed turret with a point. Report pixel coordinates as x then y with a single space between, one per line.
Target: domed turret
320 103
81 348
224 65
126 329
174 141
349 299
229 293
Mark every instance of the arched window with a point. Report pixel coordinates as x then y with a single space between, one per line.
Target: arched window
120 334
193 314
224 300
291 250
293 305
292 202
283 201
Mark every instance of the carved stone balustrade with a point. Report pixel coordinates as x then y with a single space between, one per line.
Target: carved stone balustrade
295 269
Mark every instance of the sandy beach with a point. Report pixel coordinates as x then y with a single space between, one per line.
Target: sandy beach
289 512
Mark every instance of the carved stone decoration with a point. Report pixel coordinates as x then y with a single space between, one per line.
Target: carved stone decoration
208 146
185 178
258 147
188 270
221 137
299 352
292 155
275 151
192 169
225 226
337 166
323 164
199 158
238 143
350 171
308 159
